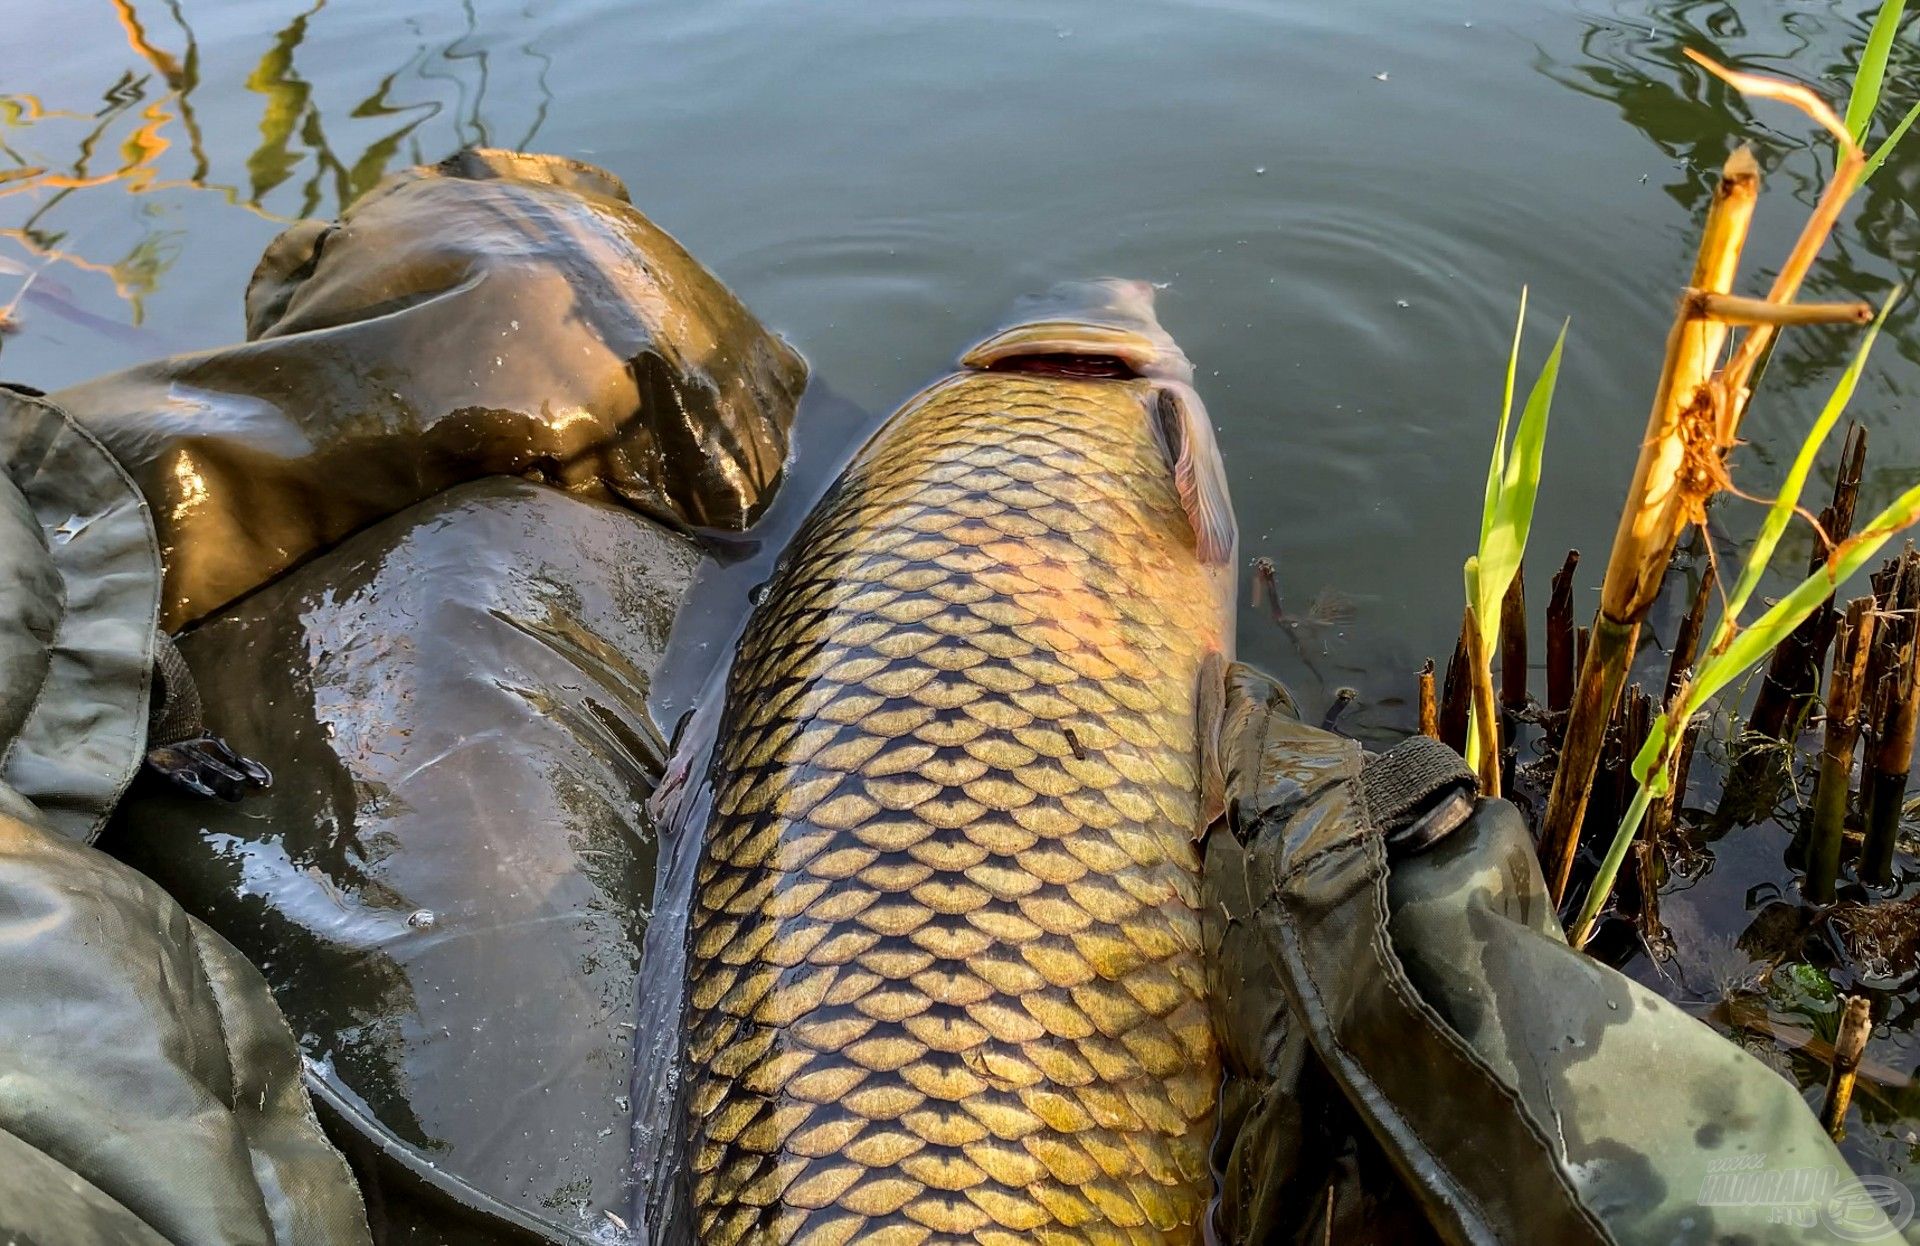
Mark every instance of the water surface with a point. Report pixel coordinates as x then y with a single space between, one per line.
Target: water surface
1341 202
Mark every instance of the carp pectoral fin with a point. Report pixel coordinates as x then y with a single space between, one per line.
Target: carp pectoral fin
1210 709
690 751
1199 474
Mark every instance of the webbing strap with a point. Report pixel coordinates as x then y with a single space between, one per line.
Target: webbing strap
173 713
1417 792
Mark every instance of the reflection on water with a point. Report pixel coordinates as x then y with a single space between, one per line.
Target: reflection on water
314 151
1632 57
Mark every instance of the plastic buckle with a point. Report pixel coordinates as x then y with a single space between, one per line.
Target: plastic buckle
207 766
1451 811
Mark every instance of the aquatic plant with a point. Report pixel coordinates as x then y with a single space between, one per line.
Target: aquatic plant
1703 392
1735 649
1864 100
1513 482
1691 429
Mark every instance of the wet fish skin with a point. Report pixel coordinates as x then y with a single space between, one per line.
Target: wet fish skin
945 978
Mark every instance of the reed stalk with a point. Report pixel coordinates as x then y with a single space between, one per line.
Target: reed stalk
1560 637
1429 703
1793 672
1693 425
1856 1024
1852 645
1657 510
1686 646
1513 644
1883 784
1686 642
1456 696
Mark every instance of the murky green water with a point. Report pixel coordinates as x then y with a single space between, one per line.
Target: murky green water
1341 201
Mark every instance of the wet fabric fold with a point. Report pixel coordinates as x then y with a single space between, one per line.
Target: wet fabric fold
1500 1075
448 883
79 591
149 1090
495 314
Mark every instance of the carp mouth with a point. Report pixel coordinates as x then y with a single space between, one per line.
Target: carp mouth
1093 329
1061 363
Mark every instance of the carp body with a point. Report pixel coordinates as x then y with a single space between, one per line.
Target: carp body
945 977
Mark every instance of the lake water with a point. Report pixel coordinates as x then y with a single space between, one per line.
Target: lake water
1341 201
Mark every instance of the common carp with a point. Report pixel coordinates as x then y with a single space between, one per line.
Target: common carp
945 979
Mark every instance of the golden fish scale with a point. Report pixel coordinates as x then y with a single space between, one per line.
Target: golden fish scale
946 979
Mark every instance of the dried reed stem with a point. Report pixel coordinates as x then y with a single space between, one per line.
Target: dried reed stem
1856 1024
1677 468
1455 693
1686 642
1561 662
1736 309
1793 673
1686 647
1513 643
1883 785
1852 643
1429 703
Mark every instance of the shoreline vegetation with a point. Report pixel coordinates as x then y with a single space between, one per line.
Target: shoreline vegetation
1604 858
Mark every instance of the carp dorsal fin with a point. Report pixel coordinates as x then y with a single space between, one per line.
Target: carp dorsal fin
1199 475
1210 713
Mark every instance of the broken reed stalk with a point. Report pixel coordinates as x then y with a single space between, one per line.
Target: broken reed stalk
1686 647
1639 890
1454 694
1738 310
1560 643
1658 507
1660 816
1486 722
1266 588
1793 673
1686 642
1853 641
1648 873
1856 1024
1429 703
1513 643
1883 784
1850 167
1636 716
